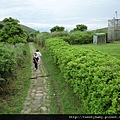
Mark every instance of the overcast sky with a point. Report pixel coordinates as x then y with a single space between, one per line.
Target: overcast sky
42 15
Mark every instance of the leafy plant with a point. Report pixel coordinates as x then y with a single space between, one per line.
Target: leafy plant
93 75
12 32
11 57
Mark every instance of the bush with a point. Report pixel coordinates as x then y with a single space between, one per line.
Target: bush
11 58
78 37
59 34
41 37
93 75
16 39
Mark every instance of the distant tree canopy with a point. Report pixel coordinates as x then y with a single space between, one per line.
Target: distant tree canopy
80 27
1 25
57 29
12 32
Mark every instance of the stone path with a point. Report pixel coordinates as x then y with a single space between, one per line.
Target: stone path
38 98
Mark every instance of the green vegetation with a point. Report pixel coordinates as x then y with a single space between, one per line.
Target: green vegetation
12 32
15 91
68 101
57 29
93 75
112 49
25 28
41 37
79 35
86 77
12 57
80 27
15 69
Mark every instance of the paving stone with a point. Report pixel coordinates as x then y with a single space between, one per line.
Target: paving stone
44 109
28 99
39 94
38 98
36 102
27 104
32 94
39 88
22 111
27 111
45 93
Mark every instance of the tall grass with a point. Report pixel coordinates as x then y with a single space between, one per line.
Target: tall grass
41 37
12 103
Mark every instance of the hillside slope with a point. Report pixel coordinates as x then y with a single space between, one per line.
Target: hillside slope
26 28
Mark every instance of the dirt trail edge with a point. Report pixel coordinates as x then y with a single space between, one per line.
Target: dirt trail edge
38 98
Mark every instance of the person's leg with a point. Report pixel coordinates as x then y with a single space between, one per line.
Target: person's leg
36 66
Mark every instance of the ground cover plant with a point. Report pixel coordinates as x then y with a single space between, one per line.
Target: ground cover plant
93 75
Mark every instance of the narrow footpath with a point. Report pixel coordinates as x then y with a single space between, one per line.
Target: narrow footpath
38 98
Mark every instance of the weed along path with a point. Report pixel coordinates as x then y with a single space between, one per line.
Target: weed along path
38 98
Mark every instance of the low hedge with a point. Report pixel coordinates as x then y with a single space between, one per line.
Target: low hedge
94 76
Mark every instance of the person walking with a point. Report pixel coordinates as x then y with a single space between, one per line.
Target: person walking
39 56
35 61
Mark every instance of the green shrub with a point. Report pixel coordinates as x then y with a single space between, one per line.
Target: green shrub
16 39
59 34
78 37
11 58
94 76
41 37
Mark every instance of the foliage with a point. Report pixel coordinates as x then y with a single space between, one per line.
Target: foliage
93 75
59 34
15 92
1 25
41 37
78 37
32 36
57 29
12 32
69 103
11 57
112 49
79 27
7 61
101 30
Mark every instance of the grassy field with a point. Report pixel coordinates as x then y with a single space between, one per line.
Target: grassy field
112 49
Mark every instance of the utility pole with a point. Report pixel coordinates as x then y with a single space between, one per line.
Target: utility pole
116 14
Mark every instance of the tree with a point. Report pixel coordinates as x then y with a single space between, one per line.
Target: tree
12 32
80 27
57 29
